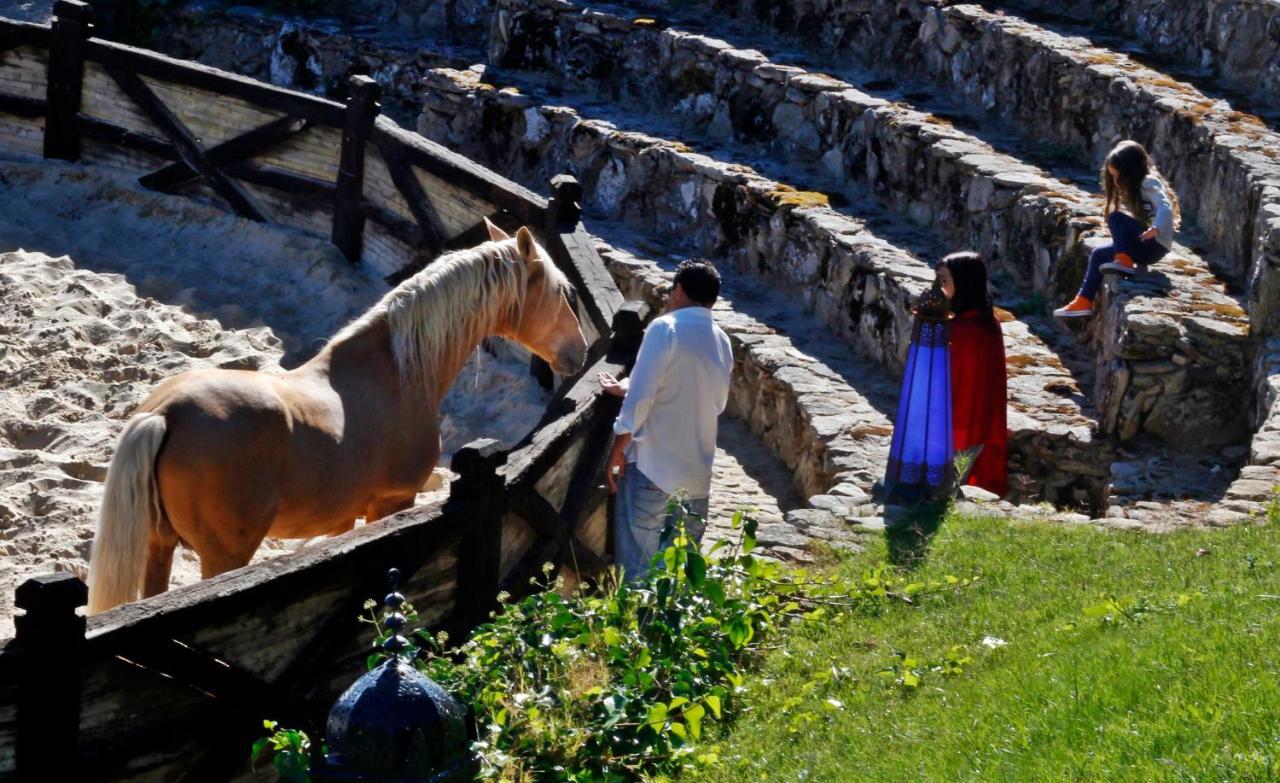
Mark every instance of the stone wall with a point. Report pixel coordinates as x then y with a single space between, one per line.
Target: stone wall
465 20
917 165
307 54
1236 40
1082 99
862 287
1036 228
832 439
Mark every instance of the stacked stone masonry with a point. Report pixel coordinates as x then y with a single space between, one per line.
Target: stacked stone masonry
1236 41
860 286
1024 221
311 55
1077 96
1169 347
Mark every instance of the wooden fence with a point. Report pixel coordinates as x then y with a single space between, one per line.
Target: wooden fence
175 687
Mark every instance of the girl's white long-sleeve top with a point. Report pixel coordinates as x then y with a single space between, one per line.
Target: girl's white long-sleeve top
1159 208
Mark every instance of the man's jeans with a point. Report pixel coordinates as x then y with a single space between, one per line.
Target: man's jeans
643 524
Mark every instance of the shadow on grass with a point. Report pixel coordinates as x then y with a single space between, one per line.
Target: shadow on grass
908 530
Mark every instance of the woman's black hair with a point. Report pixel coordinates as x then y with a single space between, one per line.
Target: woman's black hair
970 276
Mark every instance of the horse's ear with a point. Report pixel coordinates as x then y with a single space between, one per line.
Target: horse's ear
525 244
495 234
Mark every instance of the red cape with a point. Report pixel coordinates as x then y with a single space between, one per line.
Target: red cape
979 394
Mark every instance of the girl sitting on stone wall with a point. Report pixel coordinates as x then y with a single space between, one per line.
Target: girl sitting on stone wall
1142 213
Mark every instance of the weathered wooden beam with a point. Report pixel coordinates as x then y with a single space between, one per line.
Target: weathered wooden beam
589 471
22 106
565 206
477 234
234 150
170 69
221 680
583 559
14 33
569 415
236 695
574 251
628 325
50 640
479 489
279 179
187 611
529 504
348 218
71 27
186 145
433 232
110 133
438 161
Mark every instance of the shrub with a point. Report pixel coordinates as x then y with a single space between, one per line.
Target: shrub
617 683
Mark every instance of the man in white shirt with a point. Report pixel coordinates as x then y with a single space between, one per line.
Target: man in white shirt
666 432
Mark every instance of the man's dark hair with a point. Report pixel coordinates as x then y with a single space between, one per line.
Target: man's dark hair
700 281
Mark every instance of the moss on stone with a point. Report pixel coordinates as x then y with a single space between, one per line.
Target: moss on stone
785 195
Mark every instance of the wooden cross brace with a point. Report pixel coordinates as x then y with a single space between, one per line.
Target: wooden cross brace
197 161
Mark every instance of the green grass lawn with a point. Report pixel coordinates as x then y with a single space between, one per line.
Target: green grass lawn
1179 682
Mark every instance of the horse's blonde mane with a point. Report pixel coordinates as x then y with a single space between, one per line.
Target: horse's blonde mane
437 316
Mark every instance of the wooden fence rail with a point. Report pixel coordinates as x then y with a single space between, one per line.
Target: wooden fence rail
175 687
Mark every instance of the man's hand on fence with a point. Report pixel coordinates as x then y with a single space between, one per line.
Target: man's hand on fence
612 385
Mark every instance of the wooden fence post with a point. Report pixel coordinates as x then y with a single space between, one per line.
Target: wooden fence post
480 492
628 327
71 27
628 330
348 214
564 208
50 640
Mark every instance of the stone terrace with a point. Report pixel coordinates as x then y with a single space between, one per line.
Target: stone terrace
1170 357
861 286
1034 227
1074 96
1232 41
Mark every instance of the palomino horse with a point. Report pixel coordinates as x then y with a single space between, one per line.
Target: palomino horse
220 459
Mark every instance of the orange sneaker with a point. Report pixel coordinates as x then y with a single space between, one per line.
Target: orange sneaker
1079 308
1123 264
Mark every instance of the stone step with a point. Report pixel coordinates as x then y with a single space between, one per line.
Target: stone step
861 287
1025 222
825 411
1224 46
1063 92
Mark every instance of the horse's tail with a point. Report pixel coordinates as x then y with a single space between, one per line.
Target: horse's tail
130 508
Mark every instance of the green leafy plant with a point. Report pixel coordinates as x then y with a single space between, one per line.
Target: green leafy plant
619 682
290 752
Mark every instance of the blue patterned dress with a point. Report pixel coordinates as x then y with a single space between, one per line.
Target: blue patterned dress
920 455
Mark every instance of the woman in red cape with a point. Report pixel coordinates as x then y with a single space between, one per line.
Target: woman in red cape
978 374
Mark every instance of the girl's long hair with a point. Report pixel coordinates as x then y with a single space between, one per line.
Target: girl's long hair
1132 165
972 293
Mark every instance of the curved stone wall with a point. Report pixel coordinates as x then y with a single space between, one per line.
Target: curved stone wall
1236 40
1159 369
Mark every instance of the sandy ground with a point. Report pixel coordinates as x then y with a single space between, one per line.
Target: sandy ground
106 289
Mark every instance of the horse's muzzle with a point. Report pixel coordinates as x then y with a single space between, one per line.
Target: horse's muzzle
570 360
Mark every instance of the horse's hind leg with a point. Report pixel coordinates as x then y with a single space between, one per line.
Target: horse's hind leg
160 545
214 563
